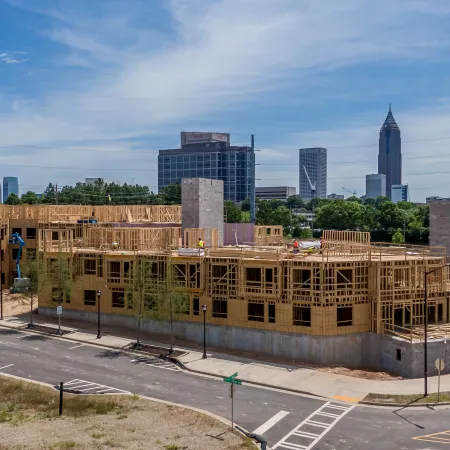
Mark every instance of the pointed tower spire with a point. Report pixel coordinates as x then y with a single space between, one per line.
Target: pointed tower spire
390 122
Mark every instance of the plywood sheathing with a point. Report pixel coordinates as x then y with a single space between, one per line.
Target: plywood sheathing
268 235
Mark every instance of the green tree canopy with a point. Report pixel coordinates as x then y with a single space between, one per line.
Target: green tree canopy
13 199
30 198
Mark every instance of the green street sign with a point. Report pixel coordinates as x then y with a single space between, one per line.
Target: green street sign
232 379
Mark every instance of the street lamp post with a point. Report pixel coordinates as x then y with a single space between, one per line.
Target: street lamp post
99 294
425 348
204 332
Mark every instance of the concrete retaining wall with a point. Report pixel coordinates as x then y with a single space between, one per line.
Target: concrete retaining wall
359 350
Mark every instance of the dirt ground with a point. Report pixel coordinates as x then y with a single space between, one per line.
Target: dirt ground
29 420
15 304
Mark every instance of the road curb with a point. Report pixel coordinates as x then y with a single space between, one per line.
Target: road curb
403 405
256 383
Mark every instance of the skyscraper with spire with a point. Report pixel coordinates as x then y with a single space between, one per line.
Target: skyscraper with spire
390 152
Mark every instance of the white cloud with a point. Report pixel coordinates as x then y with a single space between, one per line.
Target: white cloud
220 54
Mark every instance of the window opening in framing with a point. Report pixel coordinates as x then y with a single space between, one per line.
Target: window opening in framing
57 295
344 316
269 275
90 267
253 275
17 230
100 267
398 317
399 354
90 297
271 313
432 314
31 233
256 312
344 277
302 278
55 235
15 252
31 253
127 269
196 306
220 308
302 316
440 312
118 299
114 272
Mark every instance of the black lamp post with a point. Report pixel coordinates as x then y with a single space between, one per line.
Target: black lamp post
204 332
99 294
425 350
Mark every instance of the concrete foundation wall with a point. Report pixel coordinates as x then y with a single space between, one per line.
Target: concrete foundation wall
202 204
359 350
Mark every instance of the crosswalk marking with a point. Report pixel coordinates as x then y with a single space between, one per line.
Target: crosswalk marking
87 387
311 422
156 362
271 422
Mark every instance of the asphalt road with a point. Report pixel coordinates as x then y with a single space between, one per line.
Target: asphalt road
286 420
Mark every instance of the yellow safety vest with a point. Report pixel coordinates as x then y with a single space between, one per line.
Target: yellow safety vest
200 243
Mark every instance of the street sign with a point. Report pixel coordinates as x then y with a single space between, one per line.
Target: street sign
232 379
439 363
59 310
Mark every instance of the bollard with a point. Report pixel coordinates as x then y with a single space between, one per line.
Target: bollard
61 391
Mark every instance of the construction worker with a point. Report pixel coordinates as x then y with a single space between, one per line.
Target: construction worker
200 244
295 245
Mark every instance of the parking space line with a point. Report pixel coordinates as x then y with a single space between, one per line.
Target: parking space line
326 427
23 336
83 386
271 422
77 346
4 367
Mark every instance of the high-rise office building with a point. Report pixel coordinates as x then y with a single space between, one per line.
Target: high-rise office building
399 193
10 186
214 159
375 185
275 192
390 153
313 173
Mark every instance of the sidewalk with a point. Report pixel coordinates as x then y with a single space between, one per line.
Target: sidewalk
302 380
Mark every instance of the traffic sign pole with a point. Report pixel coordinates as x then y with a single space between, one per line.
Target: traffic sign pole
439 363
232 406
59 312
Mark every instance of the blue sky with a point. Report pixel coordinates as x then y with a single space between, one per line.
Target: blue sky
94 88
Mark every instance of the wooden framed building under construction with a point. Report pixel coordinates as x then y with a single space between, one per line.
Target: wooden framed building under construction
332 304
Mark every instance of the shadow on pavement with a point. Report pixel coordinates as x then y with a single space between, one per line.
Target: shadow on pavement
110 354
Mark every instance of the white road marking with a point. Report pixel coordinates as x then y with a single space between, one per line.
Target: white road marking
4 367
23 336
271 422
88 386
155 362
77 346
325 427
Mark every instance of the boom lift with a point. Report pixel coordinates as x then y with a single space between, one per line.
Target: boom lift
20 284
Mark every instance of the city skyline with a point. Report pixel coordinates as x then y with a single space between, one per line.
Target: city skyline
136 77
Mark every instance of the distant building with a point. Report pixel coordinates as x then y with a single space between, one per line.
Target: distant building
390 153
234 165
275 192
399 193
435 199
195 137
10 186
375 185
91 181
312 173
335 196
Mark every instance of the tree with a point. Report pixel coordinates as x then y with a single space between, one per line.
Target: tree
30 198
295 202
155 291
171 194
397 238
232 213
245 205
13 199
340 215
32 269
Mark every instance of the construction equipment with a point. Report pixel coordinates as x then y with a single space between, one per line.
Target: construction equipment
313 185
20 284
351 192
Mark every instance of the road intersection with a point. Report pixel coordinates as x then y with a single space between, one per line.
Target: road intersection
286 420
